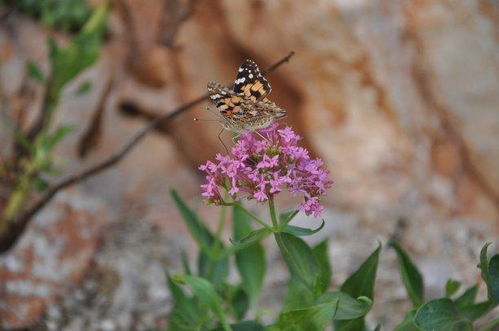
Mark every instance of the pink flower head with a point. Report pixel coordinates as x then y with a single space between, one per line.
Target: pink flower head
258 168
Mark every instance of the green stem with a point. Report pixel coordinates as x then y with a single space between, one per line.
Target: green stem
273 215
221 222
277 234
20 193
220 226
215 248
250 214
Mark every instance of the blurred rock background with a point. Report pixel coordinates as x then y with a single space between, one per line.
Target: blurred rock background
400 98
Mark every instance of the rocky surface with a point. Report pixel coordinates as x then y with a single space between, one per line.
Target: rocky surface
53 255
398 97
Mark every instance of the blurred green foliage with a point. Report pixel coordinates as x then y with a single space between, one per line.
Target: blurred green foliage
206 298
66 62
66 15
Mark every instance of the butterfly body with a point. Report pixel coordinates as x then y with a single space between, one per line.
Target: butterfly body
245 107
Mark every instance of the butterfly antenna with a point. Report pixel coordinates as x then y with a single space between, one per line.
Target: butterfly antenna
214 113
196 119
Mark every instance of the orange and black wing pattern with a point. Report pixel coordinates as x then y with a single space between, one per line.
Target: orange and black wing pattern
250 83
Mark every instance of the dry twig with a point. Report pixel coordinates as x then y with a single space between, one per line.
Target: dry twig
16 227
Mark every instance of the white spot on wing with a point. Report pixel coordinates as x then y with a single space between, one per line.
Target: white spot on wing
240 80
250 75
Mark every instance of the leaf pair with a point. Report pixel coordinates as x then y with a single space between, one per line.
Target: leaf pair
446 313
328 307
307 306
312 269
207 295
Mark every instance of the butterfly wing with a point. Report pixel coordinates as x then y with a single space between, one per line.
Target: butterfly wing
250 83
226 101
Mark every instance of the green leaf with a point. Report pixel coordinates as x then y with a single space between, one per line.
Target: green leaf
206 293
49 142
277 327
476 310
34 72
185 263
451 287
490 273
321 254
484 265
408 323
240 303
441 314
82 52
253 237
216 271
19 137
468 297
491 326
298 295
181 298
42 159
39 184
196 228
411 277
67 15
494 279
83 88
244 326
300 259
330 306
250 260
357 324
211 267
185 314
299 231
360 283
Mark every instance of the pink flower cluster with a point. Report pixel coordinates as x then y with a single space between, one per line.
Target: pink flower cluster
259 168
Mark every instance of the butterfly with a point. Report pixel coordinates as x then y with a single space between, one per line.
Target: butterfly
245 107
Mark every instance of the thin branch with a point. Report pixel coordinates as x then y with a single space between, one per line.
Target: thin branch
16 226
278 63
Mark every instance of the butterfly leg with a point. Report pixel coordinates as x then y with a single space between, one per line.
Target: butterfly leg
220 138
258 133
